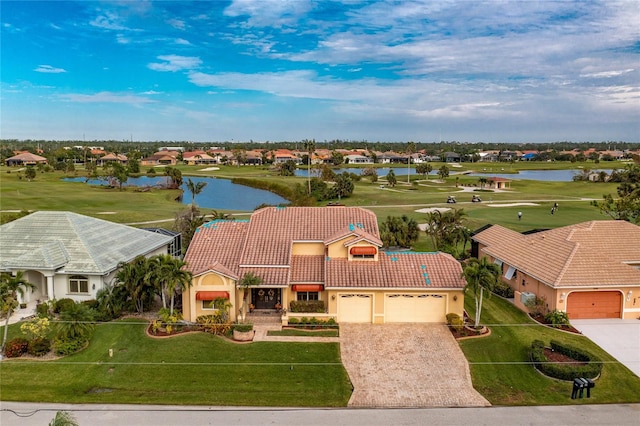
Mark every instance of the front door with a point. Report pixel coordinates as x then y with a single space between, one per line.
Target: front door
265 298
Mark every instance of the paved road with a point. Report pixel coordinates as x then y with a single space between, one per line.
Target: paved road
32 414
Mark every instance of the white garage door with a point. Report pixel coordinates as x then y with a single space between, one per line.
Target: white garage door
415 308
354 307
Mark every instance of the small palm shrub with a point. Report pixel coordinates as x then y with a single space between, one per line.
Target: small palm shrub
67 346
557 318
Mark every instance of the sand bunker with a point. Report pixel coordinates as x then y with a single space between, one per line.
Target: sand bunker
512 205
433 209
210 169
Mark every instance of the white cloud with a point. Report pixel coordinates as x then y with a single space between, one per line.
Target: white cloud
177 24
174 63
182 42
49 69
270 13
107 97
108 21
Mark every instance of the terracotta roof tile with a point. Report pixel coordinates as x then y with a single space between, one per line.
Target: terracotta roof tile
594 253
217 241
270 276
396 270
307 269
273 229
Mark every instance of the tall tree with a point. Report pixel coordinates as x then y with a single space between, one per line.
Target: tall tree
166 273
411 148
246 282
626 206
10 287
424 169
480 274
310 147
443 172
133 276
195 188
391 178
399 231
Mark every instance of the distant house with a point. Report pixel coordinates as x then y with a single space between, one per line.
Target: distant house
25 159
68 255
160 158
451 157
332 255
358 159
113 158
197 157
588 270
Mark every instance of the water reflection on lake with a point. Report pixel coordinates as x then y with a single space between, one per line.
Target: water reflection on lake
541 175
219 194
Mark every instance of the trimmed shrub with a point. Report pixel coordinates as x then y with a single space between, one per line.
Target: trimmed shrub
590 370
68 346
63 305
311 306
503 289
455 321
42 309
243 327
39 347
557 318
16 347
293 321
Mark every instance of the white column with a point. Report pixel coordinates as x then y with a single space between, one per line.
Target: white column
50 293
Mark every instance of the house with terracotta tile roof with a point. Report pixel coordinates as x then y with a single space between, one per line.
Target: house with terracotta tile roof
25 159
328 254
589 270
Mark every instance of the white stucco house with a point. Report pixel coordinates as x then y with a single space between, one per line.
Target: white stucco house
68 255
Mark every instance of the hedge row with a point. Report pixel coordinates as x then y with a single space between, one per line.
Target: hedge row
591 370
315 306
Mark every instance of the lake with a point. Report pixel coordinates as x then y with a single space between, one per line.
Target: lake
541 175
219 194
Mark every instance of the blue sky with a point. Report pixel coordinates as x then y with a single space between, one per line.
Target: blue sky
267 70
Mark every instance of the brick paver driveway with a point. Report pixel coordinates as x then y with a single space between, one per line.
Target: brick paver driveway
406 365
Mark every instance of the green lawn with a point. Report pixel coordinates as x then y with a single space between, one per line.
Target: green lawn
501 371
198 369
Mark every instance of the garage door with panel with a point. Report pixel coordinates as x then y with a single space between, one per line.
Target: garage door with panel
414 308
594 304
355 308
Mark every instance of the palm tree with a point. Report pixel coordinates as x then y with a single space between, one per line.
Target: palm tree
310 146
195 189
480 274
391 178
133 276
169 275
10 287
248 280
411 148
63 418
110 300
76 322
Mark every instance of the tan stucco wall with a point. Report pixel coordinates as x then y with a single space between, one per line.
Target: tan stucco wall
452 306
307 249
337 249
192 308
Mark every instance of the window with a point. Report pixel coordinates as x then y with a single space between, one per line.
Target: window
510 273
78 284
308 295
208 305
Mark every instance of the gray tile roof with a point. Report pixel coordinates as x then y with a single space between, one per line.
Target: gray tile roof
73 243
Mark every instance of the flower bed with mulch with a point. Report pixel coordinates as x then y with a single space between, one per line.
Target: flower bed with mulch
541 319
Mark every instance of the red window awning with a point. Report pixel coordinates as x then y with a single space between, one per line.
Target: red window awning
308 287
212 295
361 250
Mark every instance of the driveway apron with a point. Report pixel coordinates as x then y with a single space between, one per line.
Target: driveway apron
406 365
619 337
